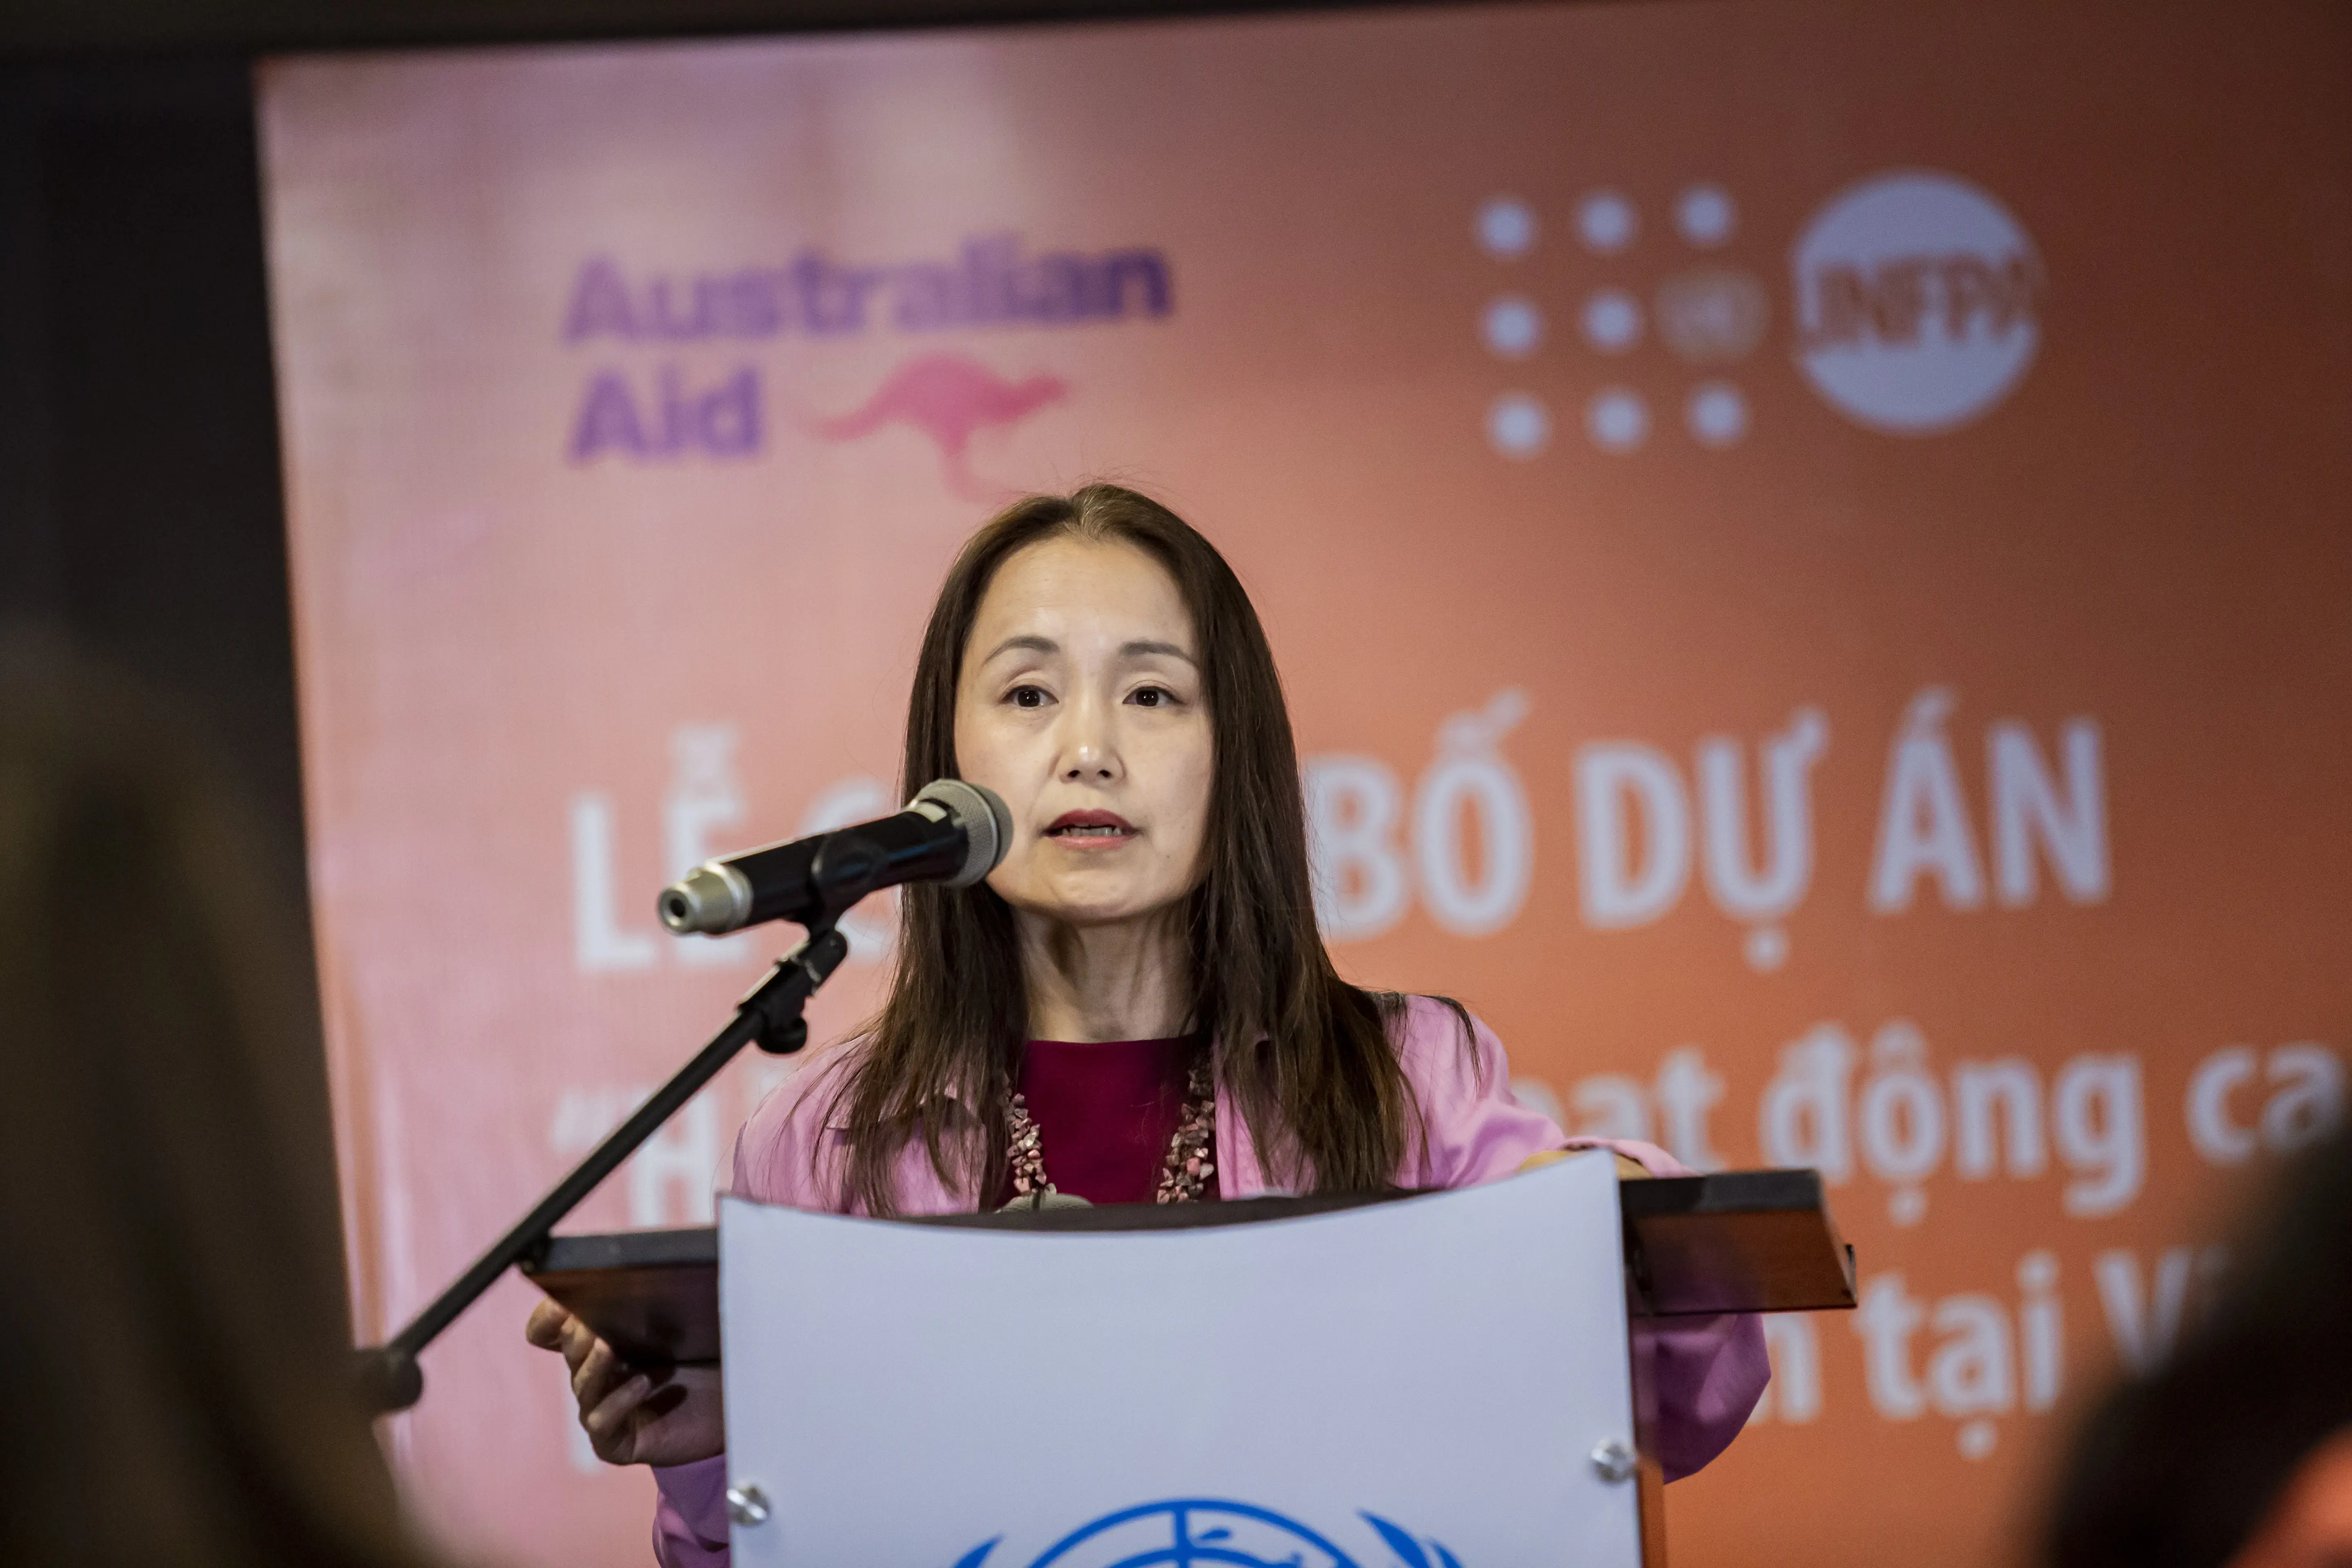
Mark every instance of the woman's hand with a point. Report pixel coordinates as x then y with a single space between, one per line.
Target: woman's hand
669 1415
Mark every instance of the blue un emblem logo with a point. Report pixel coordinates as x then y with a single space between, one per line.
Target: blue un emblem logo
1188 1532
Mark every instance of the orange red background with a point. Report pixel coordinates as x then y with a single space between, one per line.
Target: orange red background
539 670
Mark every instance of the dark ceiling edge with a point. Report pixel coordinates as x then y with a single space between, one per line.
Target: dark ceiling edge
66 32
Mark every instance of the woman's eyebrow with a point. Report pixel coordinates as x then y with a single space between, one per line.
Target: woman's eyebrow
1137 649
1031 643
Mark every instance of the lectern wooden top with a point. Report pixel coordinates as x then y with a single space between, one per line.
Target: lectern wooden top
1739 1241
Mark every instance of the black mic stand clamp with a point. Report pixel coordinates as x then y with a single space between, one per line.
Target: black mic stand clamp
768 1016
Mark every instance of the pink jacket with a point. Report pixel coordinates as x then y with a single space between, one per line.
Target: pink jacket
1708 1372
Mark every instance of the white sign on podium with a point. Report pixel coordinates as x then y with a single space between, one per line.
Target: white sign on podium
1423 1384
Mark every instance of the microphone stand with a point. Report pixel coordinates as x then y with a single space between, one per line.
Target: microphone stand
768 1016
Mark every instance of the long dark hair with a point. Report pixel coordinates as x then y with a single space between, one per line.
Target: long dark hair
173 1308
1305 1055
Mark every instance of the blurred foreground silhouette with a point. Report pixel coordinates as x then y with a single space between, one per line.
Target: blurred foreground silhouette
2237 1453
173 1324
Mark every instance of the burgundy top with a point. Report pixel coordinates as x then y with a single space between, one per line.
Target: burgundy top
1105 1110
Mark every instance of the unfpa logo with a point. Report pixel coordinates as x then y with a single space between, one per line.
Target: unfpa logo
1917 300
1915 303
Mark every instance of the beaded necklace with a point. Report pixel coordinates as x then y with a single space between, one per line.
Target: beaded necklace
1185 1172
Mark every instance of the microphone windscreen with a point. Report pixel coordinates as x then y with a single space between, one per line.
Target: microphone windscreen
986 821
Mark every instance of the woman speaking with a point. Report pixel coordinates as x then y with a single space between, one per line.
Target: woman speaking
1136 1005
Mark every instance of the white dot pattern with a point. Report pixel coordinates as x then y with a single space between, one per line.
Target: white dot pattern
1718 414
1705 215
1611 321
1517 425
1513 326
1506 227
1617 420
1606 222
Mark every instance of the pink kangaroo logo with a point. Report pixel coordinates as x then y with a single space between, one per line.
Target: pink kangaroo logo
948 398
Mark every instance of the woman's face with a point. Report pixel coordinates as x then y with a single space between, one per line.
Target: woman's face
1080 704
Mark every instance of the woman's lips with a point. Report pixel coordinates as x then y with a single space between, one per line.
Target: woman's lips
1080 829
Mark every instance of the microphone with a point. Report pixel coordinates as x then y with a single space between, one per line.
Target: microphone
951 832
